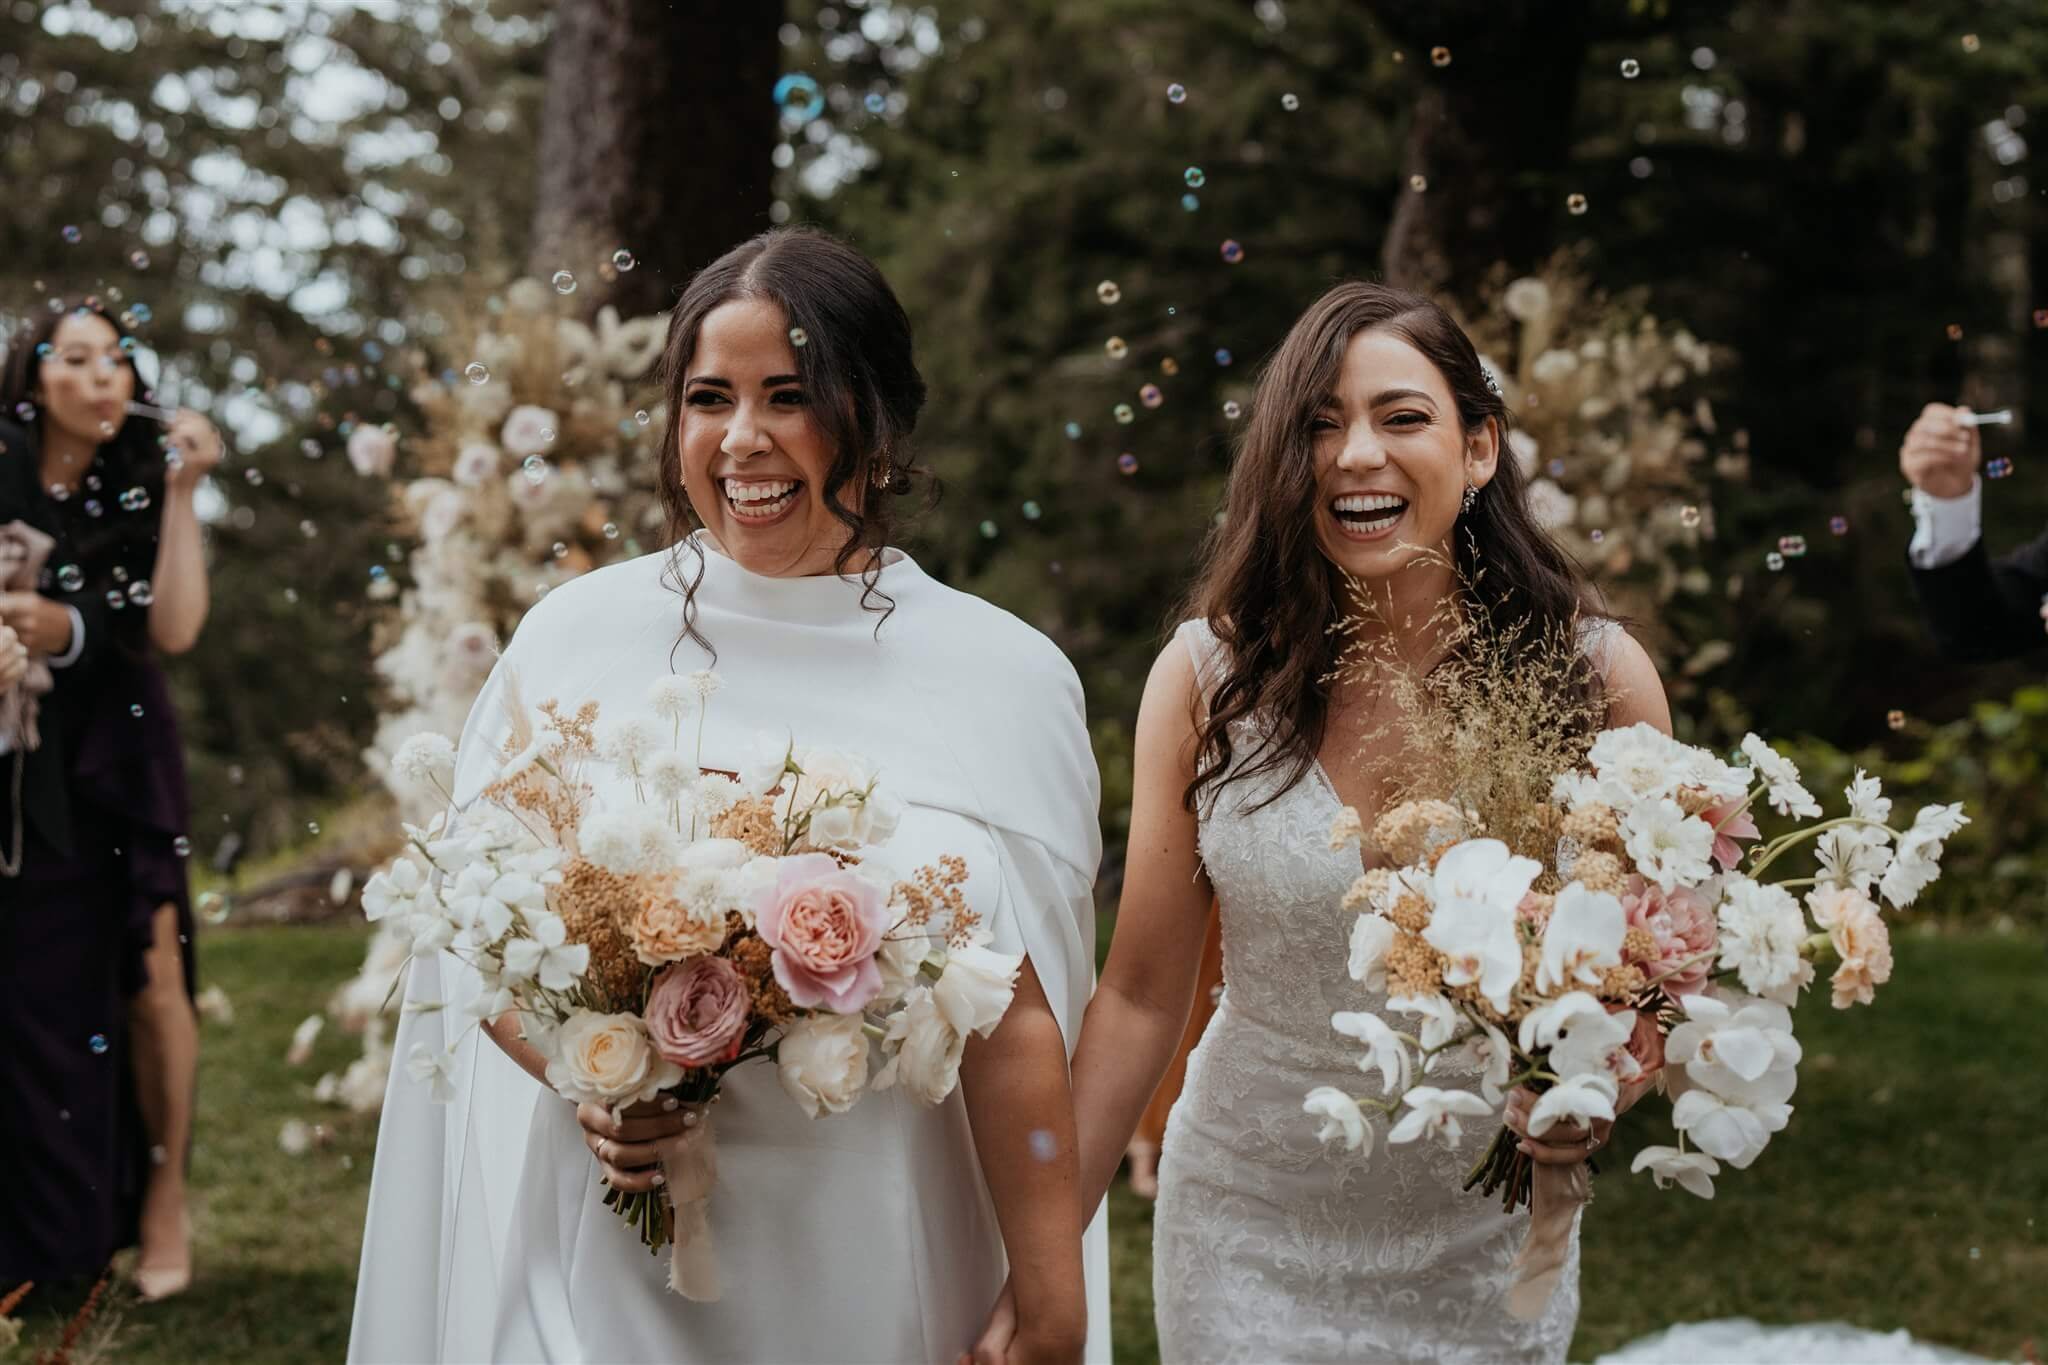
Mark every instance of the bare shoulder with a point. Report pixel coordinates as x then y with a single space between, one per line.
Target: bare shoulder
1168 711
1635 691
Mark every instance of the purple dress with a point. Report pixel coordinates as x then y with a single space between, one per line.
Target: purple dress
104 815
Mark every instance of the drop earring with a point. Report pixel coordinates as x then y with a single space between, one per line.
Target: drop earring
1471 500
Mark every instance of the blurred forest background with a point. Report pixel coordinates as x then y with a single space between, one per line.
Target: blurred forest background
304 198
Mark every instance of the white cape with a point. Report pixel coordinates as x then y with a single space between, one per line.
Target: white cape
863 1236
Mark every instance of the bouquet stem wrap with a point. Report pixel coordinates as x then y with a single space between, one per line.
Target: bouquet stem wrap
1556 1195
691 1169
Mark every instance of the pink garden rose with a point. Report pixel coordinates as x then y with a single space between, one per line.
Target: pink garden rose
1727 848
1683 928
825 925
697 1012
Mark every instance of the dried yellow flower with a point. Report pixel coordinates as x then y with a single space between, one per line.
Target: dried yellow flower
1415 830
753 823
590 901
1413 967
1638 944
1594 828
1601 872
1410 913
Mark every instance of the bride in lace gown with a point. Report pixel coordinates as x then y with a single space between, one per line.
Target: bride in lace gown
1376 434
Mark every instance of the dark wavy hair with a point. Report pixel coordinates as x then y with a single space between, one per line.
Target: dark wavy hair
860 382
1269 592
133 457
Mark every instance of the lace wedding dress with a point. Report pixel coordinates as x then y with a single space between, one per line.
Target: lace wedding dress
1268 1246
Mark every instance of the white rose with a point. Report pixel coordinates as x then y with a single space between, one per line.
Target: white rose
442 515
884 813
975 988
526 430
902 952
834 827
475 464
823 1062
763 766
927 1050
607 1059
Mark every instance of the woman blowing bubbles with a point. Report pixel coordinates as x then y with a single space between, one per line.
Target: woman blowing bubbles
95 957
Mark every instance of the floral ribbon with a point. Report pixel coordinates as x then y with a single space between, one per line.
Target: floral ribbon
690 1168
1556 1195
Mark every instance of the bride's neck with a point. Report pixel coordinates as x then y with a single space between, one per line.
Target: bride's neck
1410 614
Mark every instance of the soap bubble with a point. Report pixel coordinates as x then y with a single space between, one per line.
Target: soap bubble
798 337
1231 410
1774 561
989 530
799 98
622 260
564 282
1190 202
1630 68
72 235
71 578
1998 469
1151 395
1792 547
1223 356
1290 102
1176 93
98 1044
1895 719
476 372
1169 366
1108 292
1575 204
1123 414
1440 56
1193 175
1418 183
1116 348
139 259
1127 463
1073 431
1839 525
1232 252
1689 517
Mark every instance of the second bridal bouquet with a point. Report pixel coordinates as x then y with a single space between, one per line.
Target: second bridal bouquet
648 946
1644 944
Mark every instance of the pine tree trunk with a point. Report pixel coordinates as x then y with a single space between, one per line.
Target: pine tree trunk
656 135
1490 135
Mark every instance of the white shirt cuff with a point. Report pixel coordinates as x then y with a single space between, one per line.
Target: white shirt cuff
77 647
1944 529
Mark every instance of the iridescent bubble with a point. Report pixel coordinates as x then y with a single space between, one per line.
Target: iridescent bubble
1998 469
476 372
1792 547
139 259
1895 719
1970 43
564 282
1193 175
1044 1146
1191 202
25 410
71 578
799 98
1169 366
72 234
1176 93
1290 102
2041 317
135 710
1418 183
141 593
1575 204
1596 536
622 260
93 507
129 346
378 573
642 417
1774 561
535 467
1839 525
253 477
213 907
1440 56
611 530
98 1044
1223 356
1127 463
1231 251
559 548
312 827
1688 517
1955 331
1555 469
143 315
310 448
799 337
1073 431
876 102
1032 511
182 846
1124 414
1231 411
989 530
1630 68
1115 348
44 350
135 499
1151 395
309 528
1107 292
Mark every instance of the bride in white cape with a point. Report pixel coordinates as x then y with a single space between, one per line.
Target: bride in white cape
882 1233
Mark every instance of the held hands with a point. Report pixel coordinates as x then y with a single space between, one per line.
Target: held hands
195 450
39 624
1939 455
630 1144
1007 1341
13 658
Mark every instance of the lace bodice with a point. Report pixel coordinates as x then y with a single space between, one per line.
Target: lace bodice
1267 1245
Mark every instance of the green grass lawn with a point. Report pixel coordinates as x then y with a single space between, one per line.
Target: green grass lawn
1910 1191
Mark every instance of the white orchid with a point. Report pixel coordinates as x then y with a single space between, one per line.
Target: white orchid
1384 1048
1736 1048
426 1064
1576 1099
1487 1053
1483 870
1581 941
1761 933
1435 1113
1732 1130
1440 1019
1598 1046
1480 945
1692 1170
1342 1118
547 956
392 890
1544 1025
1669 847
487 901
1371 936
1781 779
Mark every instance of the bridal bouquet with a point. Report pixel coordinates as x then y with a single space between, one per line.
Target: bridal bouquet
648 948
1641 948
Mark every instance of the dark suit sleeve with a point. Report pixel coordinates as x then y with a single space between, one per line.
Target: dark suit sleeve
92 613
1980 609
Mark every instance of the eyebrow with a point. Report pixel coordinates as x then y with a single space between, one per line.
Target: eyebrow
772 381
1381 398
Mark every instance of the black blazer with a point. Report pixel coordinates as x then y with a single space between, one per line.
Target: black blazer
46 795
1980 608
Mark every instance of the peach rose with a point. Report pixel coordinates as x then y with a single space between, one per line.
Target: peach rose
825 925
1683 928
664 930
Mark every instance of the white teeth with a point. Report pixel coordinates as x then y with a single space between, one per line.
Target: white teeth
1370 502
746 494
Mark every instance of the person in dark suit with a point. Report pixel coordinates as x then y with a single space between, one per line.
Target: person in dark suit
101 1042
1978 608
